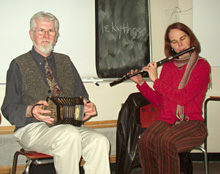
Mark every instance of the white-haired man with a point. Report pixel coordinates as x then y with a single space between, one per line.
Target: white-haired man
26 90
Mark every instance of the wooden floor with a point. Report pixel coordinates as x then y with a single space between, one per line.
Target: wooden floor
198 168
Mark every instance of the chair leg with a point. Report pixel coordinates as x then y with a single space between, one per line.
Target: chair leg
15 160
205 157
27 166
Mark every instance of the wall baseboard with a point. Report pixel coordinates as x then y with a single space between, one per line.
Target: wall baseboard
211 156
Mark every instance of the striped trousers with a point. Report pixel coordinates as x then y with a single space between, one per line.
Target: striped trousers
159 146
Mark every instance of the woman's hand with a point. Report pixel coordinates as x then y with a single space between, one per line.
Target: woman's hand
138 78
151 68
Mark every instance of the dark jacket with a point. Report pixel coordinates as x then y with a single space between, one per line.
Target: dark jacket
129 128
128 131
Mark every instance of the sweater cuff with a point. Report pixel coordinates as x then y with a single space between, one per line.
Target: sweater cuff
156 83
142 86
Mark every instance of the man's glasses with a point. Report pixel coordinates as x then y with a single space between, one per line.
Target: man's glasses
42 32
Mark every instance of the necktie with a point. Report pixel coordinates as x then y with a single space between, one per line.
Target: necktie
50 79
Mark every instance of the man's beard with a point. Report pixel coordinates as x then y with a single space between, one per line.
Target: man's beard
44 48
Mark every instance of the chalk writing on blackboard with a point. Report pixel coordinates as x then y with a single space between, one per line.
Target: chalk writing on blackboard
122 37
122 29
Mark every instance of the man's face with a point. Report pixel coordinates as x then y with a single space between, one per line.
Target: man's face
43 37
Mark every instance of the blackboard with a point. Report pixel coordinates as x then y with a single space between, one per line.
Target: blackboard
122 36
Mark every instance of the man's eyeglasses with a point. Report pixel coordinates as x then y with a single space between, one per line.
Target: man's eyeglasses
42 32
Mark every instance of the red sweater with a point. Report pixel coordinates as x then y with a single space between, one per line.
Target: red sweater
167 95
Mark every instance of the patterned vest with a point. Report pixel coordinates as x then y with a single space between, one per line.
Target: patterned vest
34 87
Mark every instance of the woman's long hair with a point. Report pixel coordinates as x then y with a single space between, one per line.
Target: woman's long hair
193 40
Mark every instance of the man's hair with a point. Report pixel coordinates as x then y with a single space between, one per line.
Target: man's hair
46 17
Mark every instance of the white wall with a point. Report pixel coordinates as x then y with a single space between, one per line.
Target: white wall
77 31
206 26
206 17
108 99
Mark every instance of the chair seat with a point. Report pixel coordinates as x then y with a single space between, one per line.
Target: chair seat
34 155
32 158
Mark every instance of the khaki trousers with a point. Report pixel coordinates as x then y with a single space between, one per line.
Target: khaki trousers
67 143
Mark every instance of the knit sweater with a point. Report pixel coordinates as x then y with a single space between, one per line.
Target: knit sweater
165 92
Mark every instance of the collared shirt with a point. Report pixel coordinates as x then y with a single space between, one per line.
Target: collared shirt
13 109
40 61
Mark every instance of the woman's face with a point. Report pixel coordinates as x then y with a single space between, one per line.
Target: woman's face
179 41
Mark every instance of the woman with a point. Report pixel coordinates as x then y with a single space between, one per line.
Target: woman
180 91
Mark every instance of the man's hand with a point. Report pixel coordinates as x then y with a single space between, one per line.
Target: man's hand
37 112
89 109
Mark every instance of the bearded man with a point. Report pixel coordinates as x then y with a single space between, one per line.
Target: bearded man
27 87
